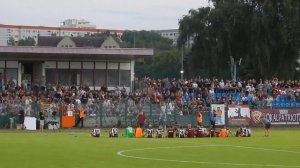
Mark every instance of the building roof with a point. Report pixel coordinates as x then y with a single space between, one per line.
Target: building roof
53 41
88 41
78 54
61 28
49 41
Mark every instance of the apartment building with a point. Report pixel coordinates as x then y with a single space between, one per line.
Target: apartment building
17 32
75 23
173 34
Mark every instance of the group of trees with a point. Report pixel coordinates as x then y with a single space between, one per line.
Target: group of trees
165 61
28 41
264 33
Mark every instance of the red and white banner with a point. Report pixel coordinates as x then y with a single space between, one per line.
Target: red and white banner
277 116
238 115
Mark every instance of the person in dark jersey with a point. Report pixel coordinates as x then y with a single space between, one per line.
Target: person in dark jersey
267 124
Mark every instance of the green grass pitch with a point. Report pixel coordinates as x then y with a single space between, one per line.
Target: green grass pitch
76 149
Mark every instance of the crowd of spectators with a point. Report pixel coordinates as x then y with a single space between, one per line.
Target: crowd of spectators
201 93
171 96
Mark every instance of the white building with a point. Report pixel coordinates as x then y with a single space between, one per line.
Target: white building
173 34
74 23
18 32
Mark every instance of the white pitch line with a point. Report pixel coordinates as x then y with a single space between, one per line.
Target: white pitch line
121 153
237 146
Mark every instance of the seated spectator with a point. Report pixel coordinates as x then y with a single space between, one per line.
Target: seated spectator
149 132
159 132
247 132
241 131
96 132
190 133
200 132
129 132
181 132
223 132
138 132
114 132
170 132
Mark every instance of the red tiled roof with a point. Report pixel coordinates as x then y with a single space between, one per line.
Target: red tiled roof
60 28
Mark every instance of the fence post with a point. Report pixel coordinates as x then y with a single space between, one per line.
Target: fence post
125 114
151 118
101 113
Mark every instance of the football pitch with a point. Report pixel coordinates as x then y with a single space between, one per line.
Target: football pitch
76 149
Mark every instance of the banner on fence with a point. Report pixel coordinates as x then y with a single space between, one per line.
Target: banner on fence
238 115
277 116
30 123
220 113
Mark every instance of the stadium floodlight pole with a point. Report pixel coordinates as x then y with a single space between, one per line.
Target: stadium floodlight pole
134 39
181 71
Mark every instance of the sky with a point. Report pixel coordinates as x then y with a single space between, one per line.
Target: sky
105 14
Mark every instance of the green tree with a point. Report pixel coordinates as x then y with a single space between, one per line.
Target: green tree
265 34
163 64
11 41
145 39
28 41
166 59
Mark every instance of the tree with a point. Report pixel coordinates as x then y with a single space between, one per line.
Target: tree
145 39
166 59
28 41
265 34
11 41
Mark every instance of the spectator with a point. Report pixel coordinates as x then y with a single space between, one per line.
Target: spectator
141 119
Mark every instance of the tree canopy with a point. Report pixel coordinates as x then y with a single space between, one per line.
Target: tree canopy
28 41
166 59
264 33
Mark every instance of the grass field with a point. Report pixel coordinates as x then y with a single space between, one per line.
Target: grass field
76 149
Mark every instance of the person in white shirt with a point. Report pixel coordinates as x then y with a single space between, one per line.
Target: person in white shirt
96 132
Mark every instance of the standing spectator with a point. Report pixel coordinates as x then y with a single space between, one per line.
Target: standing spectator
42 120
21 118
269 101
267 124
1 82
82 114
141 119
213 119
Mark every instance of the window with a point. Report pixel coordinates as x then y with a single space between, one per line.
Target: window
50 76
75 76
125 78
112 77
12 73
87 77
63 76
100 77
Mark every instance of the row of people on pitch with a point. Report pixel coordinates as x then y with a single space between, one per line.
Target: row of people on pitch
243 131
177 132
96 132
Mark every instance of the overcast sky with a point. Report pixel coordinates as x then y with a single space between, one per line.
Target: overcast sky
105 14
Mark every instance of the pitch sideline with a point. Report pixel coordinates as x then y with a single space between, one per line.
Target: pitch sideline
122 153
